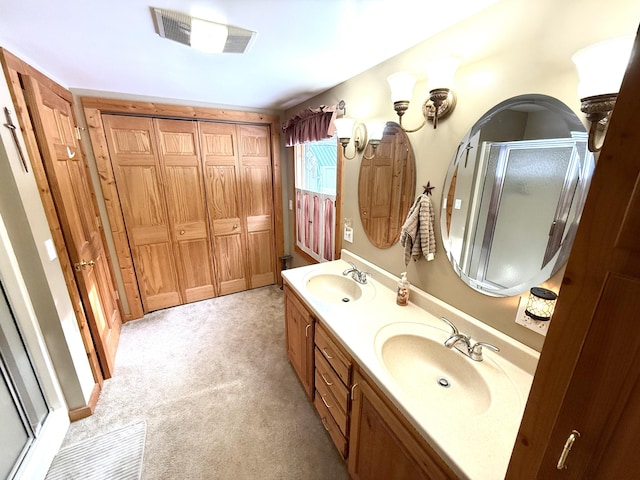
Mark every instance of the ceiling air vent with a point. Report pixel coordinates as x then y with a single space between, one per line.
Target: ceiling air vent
178 27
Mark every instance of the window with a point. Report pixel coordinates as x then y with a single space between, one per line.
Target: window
316 172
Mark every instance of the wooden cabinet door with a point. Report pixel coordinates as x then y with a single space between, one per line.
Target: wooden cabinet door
299 332
257 196
179 153
588 376
224 201
68 175
381 447
139 182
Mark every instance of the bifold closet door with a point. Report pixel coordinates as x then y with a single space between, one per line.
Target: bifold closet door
179 154
257 198
223 188
136 168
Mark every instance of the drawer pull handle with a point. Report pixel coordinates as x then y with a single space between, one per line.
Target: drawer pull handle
326 354
324 422
325 380
306 330
324 401
353 390
567 448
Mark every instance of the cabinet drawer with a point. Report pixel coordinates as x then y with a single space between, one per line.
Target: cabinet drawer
327 376
333 354
330 402
331 426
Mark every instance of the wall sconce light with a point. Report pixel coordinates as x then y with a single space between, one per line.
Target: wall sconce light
541 304
441 101
601 67
376 132
346 129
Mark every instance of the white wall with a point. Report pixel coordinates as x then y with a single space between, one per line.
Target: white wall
516 47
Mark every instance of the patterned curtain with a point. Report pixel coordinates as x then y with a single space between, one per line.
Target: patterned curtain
310 125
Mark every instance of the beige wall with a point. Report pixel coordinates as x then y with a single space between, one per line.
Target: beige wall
516 47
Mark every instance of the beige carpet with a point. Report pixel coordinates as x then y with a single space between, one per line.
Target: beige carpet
220 399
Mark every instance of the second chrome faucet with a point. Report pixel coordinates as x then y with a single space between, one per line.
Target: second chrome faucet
463 344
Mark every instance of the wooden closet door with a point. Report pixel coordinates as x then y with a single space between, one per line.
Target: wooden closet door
257 197
71 186
138 180
222 183
184 189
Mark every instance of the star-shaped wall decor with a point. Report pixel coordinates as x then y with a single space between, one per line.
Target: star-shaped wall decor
428 188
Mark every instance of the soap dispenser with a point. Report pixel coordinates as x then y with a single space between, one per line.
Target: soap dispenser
402 297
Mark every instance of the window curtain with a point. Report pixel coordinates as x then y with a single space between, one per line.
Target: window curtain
310 125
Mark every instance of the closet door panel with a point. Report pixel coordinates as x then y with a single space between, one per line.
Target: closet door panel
220 160
255 158
139 185
179 157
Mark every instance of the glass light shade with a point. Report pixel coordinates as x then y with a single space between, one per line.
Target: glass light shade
344 126
376 130
401 85
208 37
541 303
441 72
602 65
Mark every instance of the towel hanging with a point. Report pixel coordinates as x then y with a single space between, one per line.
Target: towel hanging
417 234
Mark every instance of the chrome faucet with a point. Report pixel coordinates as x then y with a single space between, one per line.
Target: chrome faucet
474 352
357 275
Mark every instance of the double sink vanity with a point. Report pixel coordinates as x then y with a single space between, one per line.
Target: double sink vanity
396 401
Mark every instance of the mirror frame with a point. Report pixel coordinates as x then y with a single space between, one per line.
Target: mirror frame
384 206
574 205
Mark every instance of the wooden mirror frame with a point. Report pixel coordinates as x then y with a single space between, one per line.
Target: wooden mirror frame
386 186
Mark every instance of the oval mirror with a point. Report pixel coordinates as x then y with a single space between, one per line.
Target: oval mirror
386 186
514 193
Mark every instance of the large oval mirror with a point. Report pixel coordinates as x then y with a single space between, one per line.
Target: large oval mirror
386 186
514 193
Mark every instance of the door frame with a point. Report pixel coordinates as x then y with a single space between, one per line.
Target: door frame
94 107
14 68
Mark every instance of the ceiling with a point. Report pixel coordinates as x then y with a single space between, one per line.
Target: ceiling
302 47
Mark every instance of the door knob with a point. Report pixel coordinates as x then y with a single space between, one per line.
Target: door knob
80 265
567 448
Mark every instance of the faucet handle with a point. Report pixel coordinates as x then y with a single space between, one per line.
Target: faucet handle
476 351
349 270
453 327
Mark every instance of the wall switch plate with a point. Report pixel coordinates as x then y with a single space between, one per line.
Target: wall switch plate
528 322
290 204
348 234
51 249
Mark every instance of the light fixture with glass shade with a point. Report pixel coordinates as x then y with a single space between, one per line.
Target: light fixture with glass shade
442 99
601 68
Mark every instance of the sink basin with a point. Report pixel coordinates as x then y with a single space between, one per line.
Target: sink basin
333 288
421 366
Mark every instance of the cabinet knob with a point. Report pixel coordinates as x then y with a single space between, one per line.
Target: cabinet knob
235 225
181 232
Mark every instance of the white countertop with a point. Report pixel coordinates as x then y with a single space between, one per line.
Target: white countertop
477 448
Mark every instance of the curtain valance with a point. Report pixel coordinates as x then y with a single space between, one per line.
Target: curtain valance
310 125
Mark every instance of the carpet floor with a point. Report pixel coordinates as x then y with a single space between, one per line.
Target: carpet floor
219 397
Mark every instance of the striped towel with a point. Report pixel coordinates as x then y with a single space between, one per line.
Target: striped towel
417 232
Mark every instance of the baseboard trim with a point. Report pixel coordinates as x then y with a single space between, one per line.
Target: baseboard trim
86 411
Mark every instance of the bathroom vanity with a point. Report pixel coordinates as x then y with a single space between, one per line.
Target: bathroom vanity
397 403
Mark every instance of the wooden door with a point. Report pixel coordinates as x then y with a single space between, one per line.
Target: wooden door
136 169
588 376
179 153
257 198
224 201
67 172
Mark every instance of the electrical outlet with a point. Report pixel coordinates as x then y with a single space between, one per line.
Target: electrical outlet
348 234
528 322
